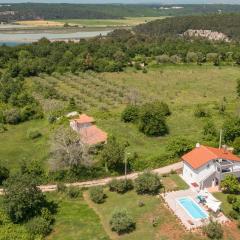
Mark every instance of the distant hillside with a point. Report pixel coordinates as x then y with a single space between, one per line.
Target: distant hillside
29 11
229 24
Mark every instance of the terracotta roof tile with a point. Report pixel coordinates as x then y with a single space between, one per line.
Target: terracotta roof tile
203 154
83 118
92 135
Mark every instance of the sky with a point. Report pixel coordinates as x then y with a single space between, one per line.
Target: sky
129 1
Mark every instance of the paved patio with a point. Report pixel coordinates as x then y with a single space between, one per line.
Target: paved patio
188 222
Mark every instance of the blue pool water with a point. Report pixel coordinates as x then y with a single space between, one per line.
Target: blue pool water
192 208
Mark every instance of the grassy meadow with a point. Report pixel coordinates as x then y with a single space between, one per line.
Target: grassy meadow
15 146
75 220
105 95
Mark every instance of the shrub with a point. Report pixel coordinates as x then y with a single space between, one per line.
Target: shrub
175 59
209 131
2 128
152 120
121 221
163 59
236 145
213 230
12 116
200 112
4 174
231 129
231 199
233 214
236 206
130 114
61 187
141 203
73 192
192 57
39 226
120 186
148 183
230 184
178 146
33 134
97 195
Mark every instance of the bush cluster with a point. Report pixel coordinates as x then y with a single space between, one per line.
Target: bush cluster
97 194
213 230
148 183
33 134
120 186
122 222
74 192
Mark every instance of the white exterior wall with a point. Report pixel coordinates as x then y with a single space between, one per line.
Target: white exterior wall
77 126
191 175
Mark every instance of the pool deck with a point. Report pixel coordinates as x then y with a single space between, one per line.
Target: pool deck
171 198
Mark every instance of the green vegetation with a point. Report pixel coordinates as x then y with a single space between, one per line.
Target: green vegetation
97 194
148 183
213 230
121 221
120 186
145 214
178 25
16 147
75 214
127 21
26 11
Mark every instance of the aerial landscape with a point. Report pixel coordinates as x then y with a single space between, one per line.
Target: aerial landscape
119 120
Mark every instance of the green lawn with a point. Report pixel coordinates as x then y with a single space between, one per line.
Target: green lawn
226 207
15 146
168 227
75 220
173 182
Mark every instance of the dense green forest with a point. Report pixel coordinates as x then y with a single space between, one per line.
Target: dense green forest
228 24
26 11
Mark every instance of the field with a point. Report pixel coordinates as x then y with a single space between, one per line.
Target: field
105 95
183 87
16 147
75 220
89 23
40 23
128 21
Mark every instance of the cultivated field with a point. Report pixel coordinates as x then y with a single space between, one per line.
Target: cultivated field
129 21
89 23
40 23
105 95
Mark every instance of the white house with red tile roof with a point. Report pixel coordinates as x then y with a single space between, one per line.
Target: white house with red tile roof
205 166
89 133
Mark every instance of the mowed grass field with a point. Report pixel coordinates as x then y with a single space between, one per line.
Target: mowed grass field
105 95
75 220
16 147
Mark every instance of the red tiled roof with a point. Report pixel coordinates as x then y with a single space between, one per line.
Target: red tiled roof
92 135
83 118
203 154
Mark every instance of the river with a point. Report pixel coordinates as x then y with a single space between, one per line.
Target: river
12 39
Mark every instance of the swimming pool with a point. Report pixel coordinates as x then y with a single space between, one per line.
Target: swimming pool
192 208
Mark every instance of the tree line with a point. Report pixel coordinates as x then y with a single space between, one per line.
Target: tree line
224 23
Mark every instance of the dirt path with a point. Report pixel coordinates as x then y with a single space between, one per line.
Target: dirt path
104 181
87 199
